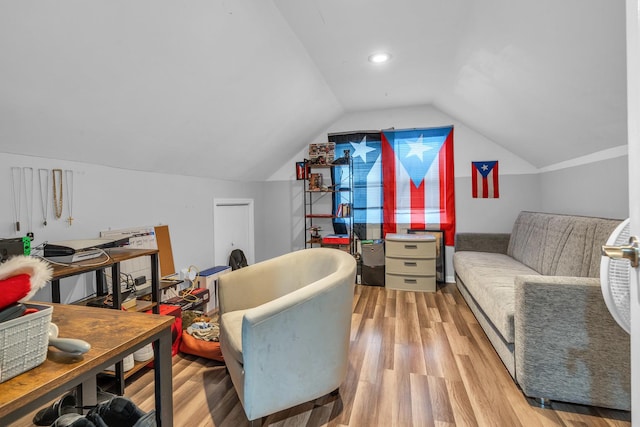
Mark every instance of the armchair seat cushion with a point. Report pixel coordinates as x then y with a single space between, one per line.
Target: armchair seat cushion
231 327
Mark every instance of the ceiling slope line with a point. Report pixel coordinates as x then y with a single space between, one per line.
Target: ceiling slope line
610 153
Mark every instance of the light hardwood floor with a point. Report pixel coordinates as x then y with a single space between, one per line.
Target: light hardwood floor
416 359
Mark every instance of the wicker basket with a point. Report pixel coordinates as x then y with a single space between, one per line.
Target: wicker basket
24 342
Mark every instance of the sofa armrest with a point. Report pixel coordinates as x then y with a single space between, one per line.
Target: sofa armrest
567 345
482 242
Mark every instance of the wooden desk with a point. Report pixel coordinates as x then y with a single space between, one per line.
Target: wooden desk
113 335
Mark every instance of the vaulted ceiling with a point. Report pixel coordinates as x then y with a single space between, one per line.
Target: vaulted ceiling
228 89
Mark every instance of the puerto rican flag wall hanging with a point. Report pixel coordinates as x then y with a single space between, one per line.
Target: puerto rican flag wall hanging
484 180
417 168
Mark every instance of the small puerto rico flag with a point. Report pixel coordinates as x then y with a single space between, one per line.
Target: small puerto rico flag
484 180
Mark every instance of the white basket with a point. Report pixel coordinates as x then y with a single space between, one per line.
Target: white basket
24 342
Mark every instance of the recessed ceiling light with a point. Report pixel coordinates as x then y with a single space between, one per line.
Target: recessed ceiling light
379 57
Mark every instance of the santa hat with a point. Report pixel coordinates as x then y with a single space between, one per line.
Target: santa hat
20 279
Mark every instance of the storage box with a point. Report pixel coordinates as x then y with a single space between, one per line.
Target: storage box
373 253
209 279
373 276
24 342
336 239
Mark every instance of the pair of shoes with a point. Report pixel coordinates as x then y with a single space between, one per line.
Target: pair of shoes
47 416
72 420
120 411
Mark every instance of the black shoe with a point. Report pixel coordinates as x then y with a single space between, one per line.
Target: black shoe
121 412
47 416
72 420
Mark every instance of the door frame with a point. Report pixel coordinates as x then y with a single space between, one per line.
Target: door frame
219 203
633 135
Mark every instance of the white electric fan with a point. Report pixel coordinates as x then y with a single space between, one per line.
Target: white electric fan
615 274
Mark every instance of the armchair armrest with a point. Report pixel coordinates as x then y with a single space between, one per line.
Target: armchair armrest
304 334
567 345
482 242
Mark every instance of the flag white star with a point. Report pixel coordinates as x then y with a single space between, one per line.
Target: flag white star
417 148
484 167
361 149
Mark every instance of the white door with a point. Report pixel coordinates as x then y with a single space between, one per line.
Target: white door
232 229
633 114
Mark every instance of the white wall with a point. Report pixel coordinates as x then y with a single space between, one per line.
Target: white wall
517 193
106 198
600 188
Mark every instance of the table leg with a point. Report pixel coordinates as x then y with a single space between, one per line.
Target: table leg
163 376
88 394
119 375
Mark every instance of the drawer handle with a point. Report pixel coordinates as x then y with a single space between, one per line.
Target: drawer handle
411 281
410 264
411 246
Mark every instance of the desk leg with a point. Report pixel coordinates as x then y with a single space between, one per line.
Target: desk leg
163 375
119 375
88 394
55 291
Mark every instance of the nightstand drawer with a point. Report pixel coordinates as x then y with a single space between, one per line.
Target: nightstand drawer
410 283
411 266
411 249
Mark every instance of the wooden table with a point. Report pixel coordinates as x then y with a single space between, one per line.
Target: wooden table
113 335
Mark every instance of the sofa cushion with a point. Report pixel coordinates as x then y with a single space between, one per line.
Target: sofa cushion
231 333
560 245
489 278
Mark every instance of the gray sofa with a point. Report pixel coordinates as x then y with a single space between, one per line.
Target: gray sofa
536 293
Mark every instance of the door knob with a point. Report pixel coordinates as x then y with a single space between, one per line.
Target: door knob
630 251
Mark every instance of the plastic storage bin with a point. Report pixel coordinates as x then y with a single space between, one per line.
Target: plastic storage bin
24 342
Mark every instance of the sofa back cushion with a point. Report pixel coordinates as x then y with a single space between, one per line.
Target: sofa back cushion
560 245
